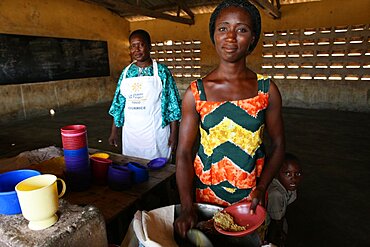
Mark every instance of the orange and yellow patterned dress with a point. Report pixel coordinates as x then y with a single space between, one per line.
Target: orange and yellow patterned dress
231 154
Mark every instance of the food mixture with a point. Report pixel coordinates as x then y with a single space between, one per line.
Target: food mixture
226 222
207 227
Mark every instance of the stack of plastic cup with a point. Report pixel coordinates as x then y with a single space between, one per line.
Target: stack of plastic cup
76 157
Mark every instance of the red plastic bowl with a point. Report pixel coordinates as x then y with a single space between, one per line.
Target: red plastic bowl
242 217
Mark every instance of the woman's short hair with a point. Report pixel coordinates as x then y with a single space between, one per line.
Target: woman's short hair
144 34
247 6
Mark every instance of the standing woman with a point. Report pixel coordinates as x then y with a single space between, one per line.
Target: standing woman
229 109
146 104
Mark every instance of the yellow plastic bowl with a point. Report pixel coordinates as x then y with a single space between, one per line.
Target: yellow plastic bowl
100 155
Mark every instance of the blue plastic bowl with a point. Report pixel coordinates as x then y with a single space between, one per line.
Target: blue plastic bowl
8 196
157 163
119 177
140 172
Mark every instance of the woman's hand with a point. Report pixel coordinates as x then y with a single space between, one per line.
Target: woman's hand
187 220
172 140
257 196
113 138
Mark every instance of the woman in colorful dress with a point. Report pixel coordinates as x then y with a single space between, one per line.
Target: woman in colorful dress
146 104
228 110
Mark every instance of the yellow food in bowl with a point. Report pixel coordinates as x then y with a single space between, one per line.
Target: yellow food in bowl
226 222
100 155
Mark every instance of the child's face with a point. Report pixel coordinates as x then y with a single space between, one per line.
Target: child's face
290 175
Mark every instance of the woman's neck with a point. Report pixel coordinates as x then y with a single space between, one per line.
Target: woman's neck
143 64
232 70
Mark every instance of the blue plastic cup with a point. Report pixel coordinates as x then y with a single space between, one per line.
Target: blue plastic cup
78 179
77 164
82 152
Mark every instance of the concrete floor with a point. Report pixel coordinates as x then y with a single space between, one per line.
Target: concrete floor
333 203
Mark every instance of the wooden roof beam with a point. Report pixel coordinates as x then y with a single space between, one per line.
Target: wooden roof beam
269 7
183 6
122 8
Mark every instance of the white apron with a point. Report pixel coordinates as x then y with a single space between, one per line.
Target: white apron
142 133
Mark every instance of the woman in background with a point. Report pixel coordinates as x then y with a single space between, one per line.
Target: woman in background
146 104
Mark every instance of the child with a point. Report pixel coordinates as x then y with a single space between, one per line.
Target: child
282 192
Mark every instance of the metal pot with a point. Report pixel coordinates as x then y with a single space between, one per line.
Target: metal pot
206 212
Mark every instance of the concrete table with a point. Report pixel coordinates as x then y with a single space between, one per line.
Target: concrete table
77 226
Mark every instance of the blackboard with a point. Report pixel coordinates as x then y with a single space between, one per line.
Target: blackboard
26 59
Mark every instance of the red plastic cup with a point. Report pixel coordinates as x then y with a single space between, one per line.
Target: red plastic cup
74 141
100 169
73 129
